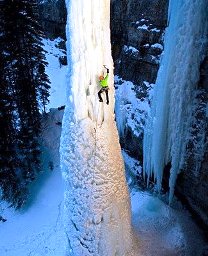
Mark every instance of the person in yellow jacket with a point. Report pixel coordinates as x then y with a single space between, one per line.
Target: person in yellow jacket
103 81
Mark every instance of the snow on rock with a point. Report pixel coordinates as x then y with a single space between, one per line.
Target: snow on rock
155 30
159 46
143 27
97 207
144 24
130 110
171 115
131 49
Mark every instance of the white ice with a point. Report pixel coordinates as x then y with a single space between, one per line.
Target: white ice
170 118
97 205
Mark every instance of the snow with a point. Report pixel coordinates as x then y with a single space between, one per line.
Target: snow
163 230
56 73
130 110
155 30
146 45
171 114
131 49
147 27
159 46
143 27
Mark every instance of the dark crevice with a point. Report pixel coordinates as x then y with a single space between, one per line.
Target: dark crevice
75 225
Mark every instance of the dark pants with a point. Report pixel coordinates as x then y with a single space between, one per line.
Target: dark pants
106 92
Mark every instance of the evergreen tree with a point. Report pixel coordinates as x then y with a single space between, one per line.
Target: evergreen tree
11 184
26 89
42 81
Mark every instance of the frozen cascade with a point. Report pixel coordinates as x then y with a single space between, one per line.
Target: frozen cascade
170 117
97 206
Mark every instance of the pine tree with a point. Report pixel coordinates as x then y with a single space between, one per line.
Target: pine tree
26 88
12 188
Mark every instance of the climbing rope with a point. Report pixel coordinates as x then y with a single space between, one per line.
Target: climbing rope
94 161
95 150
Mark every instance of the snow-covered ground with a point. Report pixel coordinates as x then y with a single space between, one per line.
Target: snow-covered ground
56 72
38 230
162 230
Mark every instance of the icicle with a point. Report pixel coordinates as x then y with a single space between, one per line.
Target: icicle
171 114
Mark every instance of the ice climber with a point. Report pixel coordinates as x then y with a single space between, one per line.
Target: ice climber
103 81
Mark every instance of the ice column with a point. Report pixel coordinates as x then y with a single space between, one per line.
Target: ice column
97 207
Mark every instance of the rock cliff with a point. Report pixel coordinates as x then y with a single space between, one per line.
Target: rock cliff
53 17
192 183
137 30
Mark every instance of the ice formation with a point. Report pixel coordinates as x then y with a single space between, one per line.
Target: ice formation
171 113
97 207
130 111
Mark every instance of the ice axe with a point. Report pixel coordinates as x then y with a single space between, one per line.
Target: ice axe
106 68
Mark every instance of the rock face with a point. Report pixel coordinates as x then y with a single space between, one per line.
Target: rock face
53 17
136 32
192 184
137 29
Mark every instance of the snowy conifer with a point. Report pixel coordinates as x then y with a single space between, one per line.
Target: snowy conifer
26 83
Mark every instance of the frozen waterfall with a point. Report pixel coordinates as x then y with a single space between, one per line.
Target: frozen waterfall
97 206
170 117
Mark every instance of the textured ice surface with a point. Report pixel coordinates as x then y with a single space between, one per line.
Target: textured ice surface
97 206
